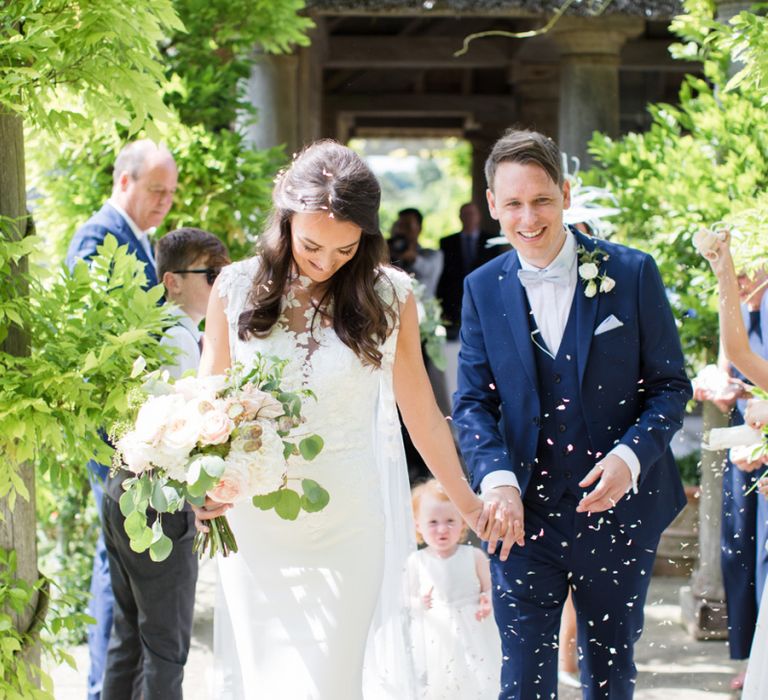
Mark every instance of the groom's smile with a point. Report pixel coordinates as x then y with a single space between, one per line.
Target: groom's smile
529 205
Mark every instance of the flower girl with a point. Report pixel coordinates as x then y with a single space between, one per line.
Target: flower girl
457 648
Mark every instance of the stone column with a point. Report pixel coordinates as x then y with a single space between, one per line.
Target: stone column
273 89
702 603
310 85
589 78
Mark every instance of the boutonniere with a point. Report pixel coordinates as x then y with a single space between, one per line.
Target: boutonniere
589 271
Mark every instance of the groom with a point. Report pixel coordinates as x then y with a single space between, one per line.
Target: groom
569 392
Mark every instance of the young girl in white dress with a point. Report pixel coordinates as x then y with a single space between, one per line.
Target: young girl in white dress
456 642
315 608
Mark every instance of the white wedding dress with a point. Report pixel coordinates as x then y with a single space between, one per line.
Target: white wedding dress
316 608
756 681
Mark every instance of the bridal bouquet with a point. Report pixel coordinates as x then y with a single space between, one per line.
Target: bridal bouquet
228 437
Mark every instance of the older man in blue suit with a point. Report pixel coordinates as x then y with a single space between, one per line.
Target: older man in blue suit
571 385
144 183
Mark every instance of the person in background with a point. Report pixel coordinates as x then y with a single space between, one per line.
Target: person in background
744 529
463 252
154 601
143 185
405 252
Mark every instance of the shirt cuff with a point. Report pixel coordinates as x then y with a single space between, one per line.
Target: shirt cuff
630 459
502 477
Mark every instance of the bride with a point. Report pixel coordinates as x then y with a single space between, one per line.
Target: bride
314 608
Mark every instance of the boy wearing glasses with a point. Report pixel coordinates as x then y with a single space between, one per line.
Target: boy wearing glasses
154 601
188 262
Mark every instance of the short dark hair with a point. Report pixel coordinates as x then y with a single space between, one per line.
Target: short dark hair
179 249
525 147
411 211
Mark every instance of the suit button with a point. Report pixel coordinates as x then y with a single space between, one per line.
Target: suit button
566 451
558 379
561 427
567 475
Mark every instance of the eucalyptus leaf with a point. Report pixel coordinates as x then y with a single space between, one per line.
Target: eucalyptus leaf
289 505
311 446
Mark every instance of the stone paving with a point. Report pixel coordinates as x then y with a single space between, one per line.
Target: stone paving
671 665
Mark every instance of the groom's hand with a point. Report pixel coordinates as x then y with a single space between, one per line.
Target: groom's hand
614 481
508 524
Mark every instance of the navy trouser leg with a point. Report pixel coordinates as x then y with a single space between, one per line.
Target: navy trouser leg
737 558
609 576
101 599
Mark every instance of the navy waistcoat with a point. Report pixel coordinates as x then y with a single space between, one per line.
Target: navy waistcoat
564 454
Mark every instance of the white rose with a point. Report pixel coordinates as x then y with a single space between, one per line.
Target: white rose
200 387
591 289
607 284
215 427
588 271
137 454
155 414
264 466
181 434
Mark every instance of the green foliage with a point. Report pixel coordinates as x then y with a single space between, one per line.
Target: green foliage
700 163
224 185
690 468
86 330
61 61
18 678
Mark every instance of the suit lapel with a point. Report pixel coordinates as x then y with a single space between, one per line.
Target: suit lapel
586 312
516 308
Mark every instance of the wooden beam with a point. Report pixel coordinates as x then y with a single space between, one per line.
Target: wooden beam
414 105
414 52
653 55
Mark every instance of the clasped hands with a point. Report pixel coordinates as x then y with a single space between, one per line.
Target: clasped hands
502 519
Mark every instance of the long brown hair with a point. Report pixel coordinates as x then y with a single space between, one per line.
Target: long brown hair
325 177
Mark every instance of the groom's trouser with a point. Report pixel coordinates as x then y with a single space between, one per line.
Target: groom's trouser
609 575
154 603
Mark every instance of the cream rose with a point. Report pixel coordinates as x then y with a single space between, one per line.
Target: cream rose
154 416
588 271
256 402
215 427
607 284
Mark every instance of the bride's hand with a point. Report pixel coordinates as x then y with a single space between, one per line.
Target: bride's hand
209 510
499 516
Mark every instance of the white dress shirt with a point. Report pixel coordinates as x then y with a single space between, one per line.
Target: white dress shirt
551 305
142 236
185 337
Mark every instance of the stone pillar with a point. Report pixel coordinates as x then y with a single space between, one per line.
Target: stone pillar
703 601
589 78
273 89
310 85
481 147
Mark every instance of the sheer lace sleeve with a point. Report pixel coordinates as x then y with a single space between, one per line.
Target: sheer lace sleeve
394 285
234 285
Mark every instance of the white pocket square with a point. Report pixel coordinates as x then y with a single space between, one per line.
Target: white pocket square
608 324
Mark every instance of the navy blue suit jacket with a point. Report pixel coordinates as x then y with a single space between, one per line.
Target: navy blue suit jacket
633 382
92 233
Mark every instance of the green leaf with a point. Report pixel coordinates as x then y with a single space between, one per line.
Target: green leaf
160 549
289 505
143 541
127 505
158 500
268 500
310 447
315 497
135 524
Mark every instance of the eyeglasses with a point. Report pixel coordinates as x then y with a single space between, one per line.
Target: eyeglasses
211 273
